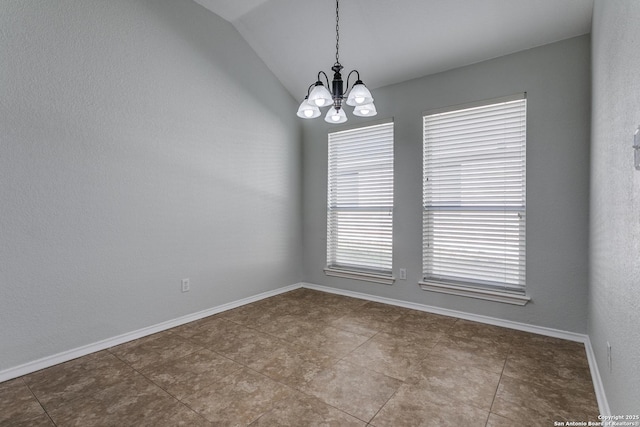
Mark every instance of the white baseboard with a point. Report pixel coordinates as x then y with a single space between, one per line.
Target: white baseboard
65 356
603 405
557 333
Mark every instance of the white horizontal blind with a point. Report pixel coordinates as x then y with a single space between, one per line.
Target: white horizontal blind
360 199
474 196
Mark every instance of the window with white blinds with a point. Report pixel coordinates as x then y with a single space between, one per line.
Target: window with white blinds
474 196
360 200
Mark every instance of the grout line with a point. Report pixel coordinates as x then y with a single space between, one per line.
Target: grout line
37 400
506 360
498 385
486 423
51 419
383 405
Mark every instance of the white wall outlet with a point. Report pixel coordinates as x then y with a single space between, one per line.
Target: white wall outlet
185 285
609 356
403 274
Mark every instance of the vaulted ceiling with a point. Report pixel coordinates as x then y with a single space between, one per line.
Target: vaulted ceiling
390 41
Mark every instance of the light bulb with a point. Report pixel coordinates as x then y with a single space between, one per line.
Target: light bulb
365 110
320 96
307 111
335 116
359 95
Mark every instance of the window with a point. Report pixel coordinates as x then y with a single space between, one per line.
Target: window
360 203
474 200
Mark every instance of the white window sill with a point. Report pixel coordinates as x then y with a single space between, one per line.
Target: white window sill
485 294
359 275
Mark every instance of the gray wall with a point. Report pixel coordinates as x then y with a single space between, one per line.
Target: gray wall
614 309
556 78
141 142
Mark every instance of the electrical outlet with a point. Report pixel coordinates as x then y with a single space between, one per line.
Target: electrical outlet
185 285
403 274
609 356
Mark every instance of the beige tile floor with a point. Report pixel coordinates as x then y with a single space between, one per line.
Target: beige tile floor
308 358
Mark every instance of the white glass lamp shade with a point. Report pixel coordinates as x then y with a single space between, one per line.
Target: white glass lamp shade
308 111
366 110
335 117
320 96
359 95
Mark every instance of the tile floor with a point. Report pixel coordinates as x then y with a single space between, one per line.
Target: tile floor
308 358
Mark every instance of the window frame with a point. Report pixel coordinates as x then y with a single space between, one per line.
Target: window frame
461 285
353 205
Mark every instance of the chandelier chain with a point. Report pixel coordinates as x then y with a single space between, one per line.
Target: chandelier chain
337 32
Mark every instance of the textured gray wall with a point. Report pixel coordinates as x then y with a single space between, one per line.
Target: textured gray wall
614 309
556 78
141 142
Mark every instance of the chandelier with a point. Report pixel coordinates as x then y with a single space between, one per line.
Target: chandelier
319 96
